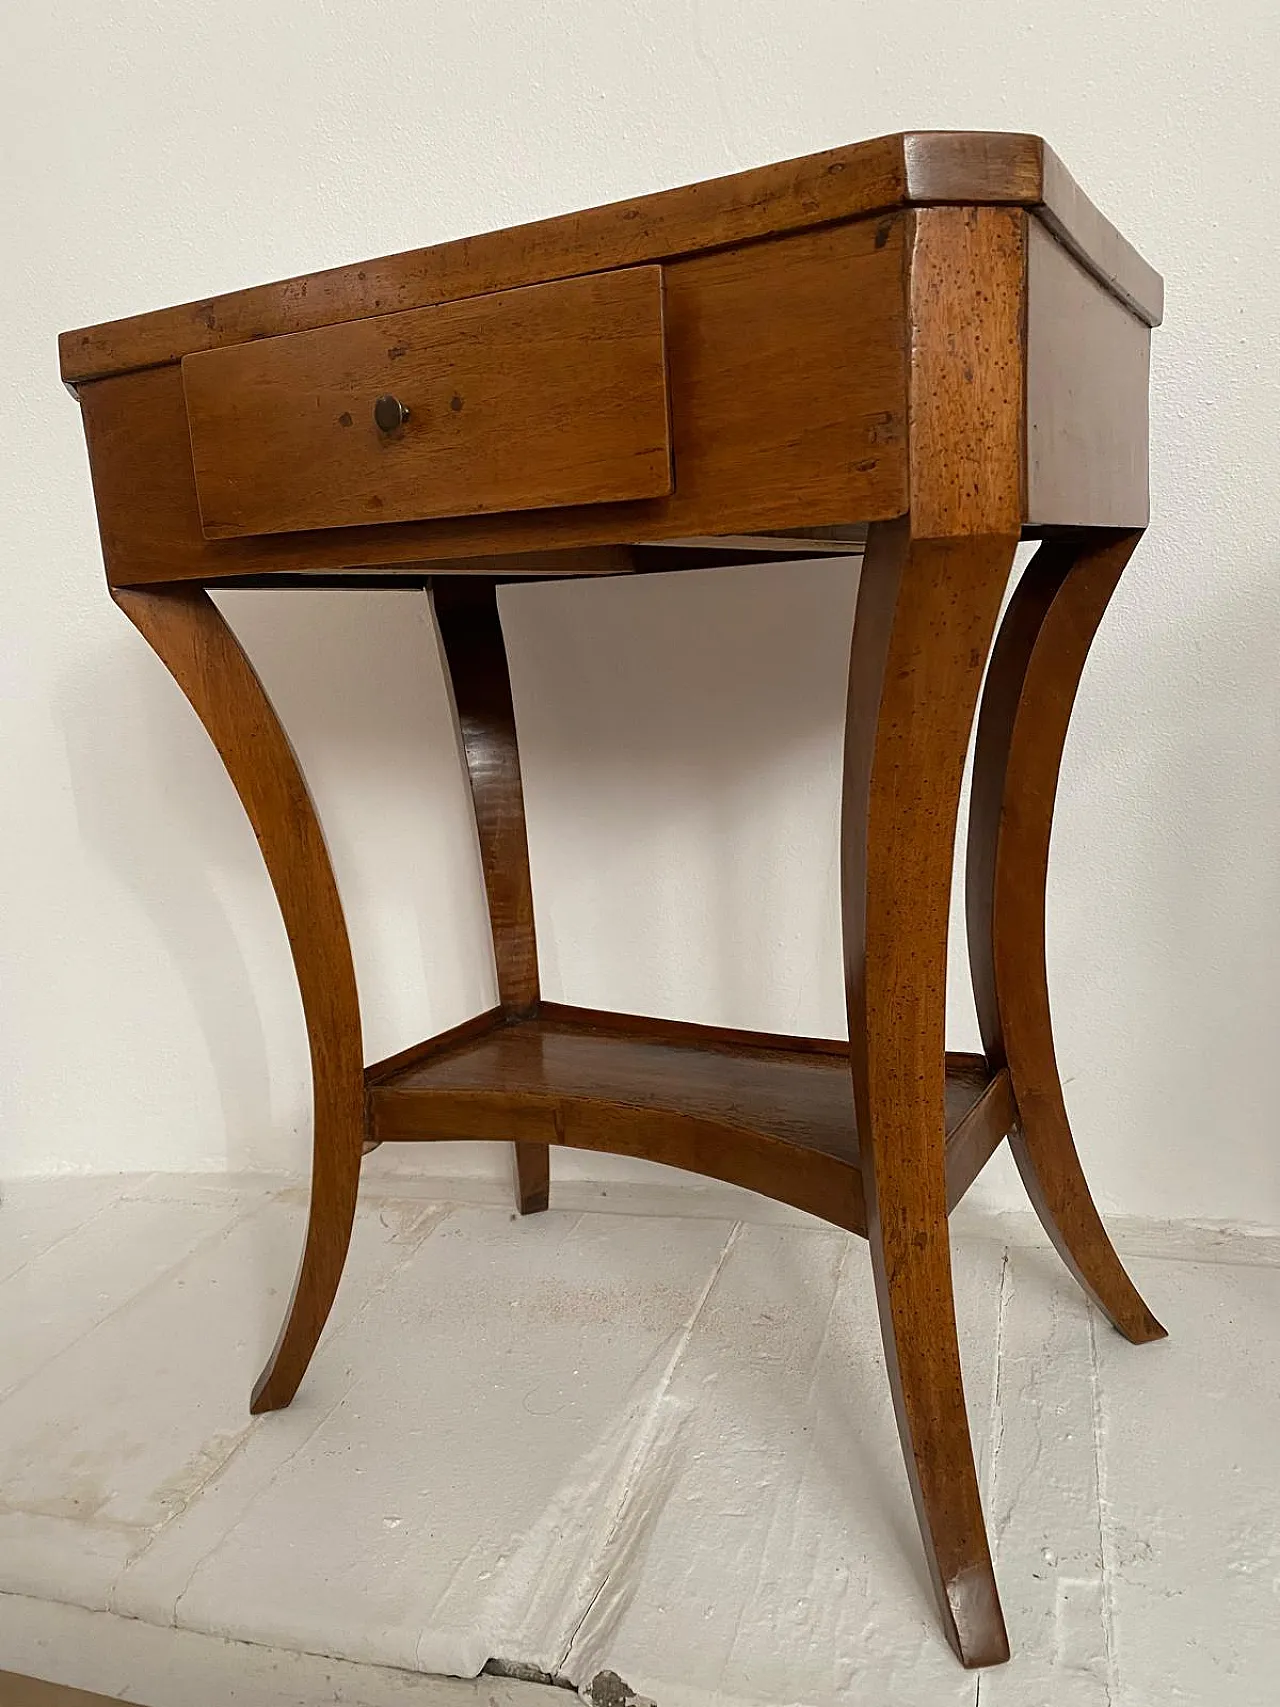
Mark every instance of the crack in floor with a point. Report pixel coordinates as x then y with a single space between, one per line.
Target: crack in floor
606 1688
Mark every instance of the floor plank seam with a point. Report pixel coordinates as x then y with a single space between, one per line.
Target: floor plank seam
775 1515
655 1404
995 1433
1105 1562
47 1250
424 1227
232 1641
629 1480
815 1368
996 1424
1207 1259
174 1620
198 1249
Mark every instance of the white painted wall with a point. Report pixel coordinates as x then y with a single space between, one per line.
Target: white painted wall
682 736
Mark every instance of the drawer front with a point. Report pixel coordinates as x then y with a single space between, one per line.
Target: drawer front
526 399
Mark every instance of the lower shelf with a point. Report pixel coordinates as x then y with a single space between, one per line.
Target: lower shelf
774 1114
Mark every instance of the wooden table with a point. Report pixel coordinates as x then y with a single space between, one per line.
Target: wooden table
925 347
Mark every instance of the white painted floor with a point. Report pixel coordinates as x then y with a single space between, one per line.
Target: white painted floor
645 1437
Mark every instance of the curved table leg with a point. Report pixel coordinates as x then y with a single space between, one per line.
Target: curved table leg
186 630
927 609
1031 687
466 611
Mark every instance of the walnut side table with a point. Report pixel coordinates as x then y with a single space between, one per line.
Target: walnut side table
926 347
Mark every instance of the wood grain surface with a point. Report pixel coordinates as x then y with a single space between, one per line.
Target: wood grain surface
800 1095
787 366
188 634
522 400
925 615
966 374
934 336
475 658
928 602
1035 673
774 1114
880 175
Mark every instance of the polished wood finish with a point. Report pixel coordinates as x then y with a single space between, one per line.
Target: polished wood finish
926 612
969 170
973 1141
416 1053
1026 708
470 629
931 343
522 400
475 657
888 172
481 1081
928 603
772 1113
1087 377
187 632
759 340
695 1035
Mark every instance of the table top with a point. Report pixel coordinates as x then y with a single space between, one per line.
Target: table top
760 363
909 169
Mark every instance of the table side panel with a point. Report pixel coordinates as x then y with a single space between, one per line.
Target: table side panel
787 370
1086 409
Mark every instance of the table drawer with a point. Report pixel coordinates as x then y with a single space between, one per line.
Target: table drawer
525 399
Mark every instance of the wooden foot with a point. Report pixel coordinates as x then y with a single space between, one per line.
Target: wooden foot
330 1220
533 1177
1031 687
475 660
188 633
926 612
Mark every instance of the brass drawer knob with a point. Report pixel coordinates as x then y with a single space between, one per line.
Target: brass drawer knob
389 413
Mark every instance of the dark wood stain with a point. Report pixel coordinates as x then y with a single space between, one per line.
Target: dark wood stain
928 604
475 656
772 1113
1035 672
802 1096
